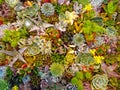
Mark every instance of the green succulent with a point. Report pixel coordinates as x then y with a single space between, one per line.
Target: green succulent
62 8
12 3
85 59
13 36
111 31
75 81
47 9
99 82
31 11
3 85
78 39
90 27
83 2
111 7
58 58
57 69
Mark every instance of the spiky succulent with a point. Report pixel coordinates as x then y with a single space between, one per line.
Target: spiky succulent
85 59
99 82
57 69
78 39
47 9
3 85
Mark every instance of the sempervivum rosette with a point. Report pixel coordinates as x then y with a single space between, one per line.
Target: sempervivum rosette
99 82
47 9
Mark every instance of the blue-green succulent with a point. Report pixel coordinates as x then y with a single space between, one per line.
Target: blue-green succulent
47 9
78 39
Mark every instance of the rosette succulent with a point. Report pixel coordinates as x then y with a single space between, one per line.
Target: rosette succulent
57 69
85 59
12 3
33 50
99 82
110 31
47 9
99 41
78 39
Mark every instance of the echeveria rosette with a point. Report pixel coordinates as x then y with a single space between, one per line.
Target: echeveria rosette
78 39
57 69
47 9
99 82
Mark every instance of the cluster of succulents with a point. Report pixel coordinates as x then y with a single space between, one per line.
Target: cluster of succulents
59 44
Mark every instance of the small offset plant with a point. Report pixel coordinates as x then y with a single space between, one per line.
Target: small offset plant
57 69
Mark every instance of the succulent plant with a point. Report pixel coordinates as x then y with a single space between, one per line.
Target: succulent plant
33 50
3 85
85 59
57 69
99 82
110 31
47 9
96 3
12 3
46 48
77 7
78 39
99 41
